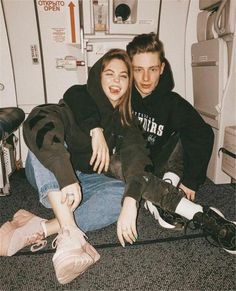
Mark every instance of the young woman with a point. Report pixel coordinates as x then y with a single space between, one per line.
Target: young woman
59 165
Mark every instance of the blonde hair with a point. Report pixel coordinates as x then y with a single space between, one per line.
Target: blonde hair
124 104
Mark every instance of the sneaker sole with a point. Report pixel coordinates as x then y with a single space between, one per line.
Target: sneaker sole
89 249
222 215
153 210
72 264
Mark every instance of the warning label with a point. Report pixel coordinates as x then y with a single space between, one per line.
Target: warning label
58 34
51 5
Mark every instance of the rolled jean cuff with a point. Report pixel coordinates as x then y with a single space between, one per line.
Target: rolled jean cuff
43 193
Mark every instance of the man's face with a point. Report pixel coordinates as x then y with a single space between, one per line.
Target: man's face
147 69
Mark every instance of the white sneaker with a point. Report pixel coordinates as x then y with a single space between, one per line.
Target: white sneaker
165 218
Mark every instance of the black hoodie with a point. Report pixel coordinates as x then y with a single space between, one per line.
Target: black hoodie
164 112
50 126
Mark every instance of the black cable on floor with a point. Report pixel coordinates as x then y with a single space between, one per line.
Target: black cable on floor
115 245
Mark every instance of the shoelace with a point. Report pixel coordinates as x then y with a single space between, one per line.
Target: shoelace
60 237
37 241
207 236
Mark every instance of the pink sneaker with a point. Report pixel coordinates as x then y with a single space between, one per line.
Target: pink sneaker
74 255
23 230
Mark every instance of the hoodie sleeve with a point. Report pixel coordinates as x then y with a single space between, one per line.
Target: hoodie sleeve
85 110
44 132
197 139
135 161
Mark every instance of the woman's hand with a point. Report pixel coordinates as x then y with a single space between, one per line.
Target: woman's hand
71 195
100 158
126 224
190 194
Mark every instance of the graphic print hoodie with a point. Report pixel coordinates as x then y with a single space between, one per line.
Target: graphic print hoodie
163 113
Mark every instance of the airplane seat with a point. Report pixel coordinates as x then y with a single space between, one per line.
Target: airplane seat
212 70
10 120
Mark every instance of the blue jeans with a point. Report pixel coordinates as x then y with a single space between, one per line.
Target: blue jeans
102 195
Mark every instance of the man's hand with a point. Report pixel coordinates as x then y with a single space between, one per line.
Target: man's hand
189 192
71 195
100 158
126 224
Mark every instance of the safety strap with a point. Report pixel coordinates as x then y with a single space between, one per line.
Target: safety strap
225 151
115 245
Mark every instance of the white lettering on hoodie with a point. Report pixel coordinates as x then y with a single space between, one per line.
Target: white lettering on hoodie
149 125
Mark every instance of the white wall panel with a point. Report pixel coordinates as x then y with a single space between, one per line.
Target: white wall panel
173 22
7 86
23 37
191 37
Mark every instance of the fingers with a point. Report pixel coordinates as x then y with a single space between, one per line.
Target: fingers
100 162
126 224
134 231
93 158
120 237
192 197
103 162
190 194
71 200
75 203
67 198
107 161
100 156
63 198
128 234
101 159
71 196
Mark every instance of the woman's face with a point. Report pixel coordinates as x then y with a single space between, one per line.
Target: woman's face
115 80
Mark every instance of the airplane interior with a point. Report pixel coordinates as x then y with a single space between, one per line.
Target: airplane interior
49 45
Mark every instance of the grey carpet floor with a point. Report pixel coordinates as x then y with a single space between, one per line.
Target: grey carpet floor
160 261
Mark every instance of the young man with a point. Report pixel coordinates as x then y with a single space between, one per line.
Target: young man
179 140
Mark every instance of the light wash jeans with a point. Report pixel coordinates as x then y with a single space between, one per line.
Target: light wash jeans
102 195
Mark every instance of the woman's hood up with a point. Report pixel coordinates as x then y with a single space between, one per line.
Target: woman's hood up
94 85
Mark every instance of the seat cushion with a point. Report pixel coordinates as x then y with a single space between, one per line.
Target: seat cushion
10 119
